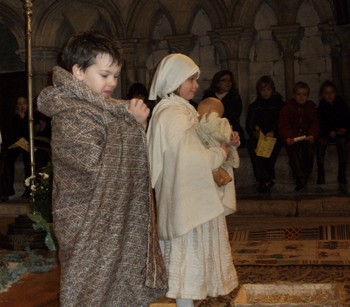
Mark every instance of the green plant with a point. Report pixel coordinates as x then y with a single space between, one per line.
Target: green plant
41 203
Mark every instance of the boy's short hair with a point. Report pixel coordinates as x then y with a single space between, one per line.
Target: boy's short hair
327 83
301 84
83 48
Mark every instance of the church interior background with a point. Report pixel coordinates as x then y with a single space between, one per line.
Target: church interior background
290 40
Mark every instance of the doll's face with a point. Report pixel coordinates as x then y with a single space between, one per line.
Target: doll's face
329 94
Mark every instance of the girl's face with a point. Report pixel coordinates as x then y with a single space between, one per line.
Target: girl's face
329 94
265 91
188 89
225 84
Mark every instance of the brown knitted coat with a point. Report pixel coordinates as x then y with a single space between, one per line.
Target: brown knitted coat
102 204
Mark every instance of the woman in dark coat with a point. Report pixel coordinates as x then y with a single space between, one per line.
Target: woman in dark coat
223 87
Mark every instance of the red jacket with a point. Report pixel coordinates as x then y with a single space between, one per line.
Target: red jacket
298 119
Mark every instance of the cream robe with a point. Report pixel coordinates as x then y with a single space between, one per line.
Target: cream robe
181 169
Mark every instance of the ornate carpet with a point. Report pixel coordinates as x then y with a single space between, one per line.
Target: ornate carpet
276 268
323 245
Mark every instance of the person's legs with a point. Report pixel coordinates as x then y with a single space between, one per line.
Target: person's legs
341 144
260 168
308 153
321 147
8 176
294 154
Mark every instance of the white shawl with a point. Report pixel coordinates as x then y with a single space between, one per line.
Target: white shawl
186 193
171 72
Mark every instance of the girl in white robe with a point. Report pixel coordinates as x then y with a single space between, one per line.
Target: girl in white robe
191 220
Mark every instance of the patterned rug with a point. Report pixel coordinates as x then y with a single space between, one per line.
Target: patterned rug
322 245
15 264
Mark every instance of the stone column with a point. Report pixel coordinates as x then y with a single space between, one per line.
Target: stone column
129 63
226 42
288 38
343 33
182 43
44 59
143 51
245 44
329 37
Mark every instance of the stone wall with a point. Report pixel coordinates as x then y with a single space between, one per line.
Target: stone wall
289 40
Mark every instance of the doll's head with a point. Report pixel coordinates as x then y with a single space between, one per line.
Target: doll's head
210 105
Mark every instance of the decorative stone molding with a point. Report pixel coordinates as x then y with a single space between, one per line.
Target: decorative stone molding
288 38
181 43
227 40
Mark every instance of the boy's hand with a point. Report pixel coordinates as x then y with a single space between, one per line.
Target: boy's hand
290 141
140 111
310 138
221 177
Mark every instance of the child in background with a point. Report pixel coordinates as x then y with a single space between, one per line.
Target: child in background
299 129
102 202
334 117
191 220
213 131
263 117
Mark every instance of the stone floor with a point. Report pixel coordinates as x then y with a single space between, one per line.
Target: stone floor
313 206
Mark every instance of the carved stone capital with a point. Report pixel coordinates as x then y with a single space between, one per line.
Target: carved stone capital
288 38
228 39
43 58
129 47
343 33
181 43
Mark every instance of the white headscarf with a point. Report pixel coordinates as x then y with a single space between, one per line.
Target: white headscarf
171 72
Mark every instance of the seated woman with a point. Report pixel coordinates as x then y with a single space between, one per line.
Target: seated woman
223 87
262 117
334 119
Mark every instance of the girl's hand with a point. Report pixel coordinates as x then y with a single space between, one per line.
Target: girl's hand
140 111
235 139
227 149
270 134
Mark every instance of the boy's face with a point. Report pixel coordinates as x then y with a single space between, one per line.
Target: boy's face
101 77
301 95
329 93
